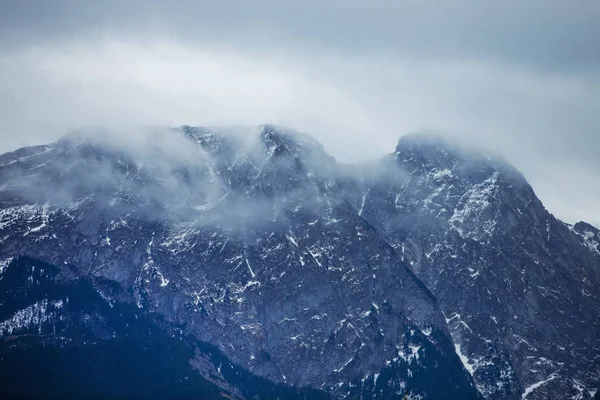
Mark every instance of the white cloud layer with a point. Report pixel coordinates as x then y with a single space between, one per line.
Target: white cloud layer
542 113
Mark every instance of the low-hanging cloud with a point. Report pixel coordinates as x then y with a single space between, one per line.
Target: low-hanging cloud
533 97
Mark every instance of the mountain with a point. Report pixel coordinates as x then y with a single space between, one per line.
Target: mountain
518 288
250 264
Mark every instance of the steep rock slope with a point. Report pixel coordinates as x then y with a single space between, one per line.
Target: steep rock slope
519 289
68 338
246 243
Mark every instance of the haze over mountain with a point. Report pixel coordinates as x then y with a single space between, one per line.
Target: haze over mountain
521 78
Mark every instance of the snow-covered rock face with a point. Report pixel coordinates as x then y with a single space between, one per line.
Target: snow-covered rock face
519 289
251 245
435 264
589 234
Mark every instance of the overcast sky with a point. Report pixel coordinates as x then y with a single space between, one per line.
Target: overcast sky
520 77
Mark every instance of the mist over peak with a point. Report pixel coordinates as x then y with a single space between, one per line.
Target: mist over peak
228 175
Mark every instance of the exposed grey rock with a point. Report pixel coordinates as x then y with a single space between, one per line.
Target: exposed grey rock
362 282
248 244
519 288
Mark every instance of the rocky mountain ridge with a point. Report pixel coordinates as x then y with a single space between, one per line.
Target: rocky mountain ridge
432 265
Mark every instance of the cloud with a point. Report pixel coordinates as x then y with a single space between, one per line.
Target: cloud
355 75
548 33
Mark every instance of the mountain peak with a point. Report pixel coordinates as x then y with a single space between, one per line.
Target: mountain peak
433 153
440 147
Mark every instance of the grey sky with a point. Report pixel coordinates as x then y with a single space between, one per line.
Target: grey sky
521 77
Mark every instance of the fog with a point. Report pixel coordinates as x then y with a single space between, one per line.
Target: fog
520 78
